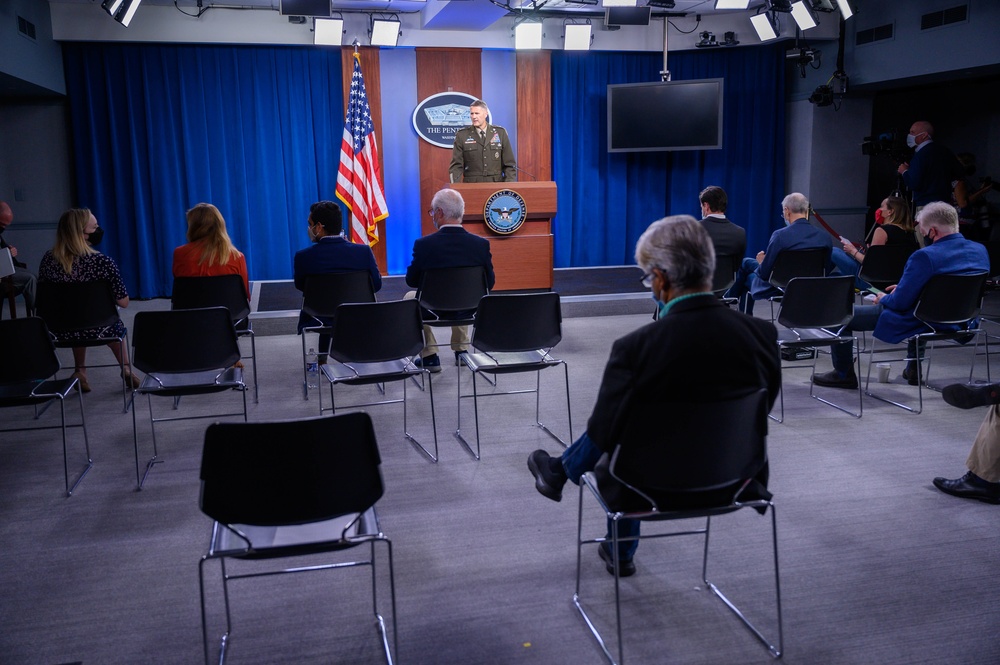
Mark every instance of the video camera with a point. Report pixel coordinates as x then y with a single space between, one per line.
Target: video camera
891 143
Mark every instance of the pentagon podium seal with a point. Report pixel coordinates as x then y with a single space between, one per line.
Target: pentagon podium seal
504 212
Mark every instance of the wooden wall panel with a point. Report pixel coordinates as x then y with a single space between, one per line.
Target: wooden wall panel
442 70
534 115
373 87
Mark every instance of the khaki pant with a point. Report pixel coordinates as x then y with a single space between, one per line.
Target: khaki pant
459 335
984 458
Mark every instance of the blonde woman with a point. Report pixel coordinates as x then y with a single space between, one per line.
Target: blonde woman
73 259
895 227
209 251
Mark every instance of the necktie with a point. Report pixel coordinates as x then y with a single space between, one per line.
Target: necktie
482 134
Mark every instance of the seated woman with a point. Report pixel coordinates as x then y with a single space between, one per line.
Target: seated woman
209 251
895 227
73 259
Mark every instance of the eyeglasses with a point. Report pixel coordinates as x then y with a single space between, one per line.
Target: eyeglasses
430 211
647 280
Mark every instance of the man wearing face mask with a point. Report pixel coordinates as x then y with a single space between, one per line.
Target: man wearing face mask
24 280
891 317
330 252
931 170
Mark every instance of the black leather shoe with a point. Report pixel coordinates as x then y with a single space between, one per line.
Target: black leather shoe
626 567
970 486
834 379
965 396
548 483
912 373
431 363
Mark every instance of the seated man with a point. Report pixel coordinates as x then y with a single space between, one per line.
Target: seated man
330 252
727 238
751 279
24 280
982 481
451 246
891 317
698 349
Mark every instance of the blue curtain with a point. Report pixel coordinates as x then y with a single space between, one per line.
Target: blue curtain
607 200
156 129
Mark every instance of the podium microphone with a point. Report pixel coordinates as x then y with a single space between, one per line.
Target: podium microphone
518 168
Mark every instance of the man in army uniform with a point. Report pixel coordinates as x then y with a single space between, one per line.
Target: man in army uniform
482 152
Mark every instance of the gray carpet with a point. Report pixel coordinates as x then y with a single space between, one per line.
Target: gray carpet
877 565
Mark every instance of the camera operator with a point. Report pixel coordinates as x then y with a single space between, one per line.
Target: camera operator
929 174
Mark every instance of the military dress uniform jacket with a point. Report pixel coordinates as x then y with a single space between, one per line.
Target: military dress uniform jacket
489 159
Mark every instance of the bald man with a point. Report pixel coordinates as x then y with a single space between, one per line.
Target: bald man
24 280
931 170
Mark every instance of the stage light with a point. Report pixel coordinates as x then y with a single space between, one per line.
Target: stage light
577 37
732 4
845 9
780 5
662 4
762 24
623 3
528 36
384 31
121 10
803 18
583 2
328 31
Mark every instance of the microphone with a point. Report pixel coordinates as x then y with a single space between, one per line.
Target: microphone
518 168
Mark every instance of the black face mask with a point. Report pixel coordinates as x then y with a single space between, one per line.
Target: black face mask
96 236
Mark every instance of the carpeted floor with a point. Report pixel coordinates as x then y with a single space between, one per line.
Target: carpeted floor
876 565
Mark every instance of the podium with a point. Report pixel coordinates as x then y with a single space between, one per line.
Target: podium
523 259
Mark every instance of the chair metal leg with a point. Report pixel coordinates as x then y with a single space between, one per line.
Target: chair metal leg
86 445
406 432
569 416
812 386
475 407
135 444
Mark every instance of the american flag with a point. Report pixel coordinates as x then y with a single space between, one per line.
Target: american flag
359 181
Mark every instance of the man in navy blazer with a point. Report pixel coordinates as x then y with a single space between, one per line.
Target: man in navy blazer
451 246
931 170
330 252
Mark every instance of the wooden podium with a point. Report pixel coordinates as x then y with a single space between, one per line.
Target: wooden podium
523 259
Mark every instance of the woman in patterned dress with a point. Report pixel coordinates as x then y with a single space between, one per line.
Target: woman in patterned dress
72 259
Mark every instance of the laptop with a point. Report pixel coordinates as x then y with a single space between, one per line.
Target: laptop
6 263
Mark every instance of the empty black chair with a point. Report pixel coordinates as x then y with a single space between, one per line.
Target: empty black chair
220 291
946 301
69 307
26 380
514 333
322 295
726 266
287 489
707 462
814 312
374 343
883 264
183 352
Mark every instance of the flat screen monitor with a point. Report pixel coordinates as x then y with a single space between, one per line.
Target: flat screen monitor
670 115
319 8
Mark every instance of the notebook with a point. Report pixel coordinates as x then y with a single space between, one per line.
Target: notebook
6 263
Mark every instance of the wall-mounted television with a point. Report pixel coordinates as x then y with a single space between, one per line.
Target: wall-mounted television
320 8
668 115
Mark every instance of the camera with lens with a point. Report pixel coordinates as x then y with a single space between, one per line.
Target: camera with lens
891 144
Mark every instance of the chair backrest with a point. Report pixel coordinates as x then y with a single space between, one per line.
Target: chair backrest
818 302
724 277
290 472
452 289
377 332
993 251
216 291
883 264
30 354
184 340
325 292
512 322
951 299
792 263
71 306
691 447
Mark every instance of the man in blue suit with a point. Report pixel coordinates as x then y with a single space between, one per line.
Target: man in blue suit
891 317
450 247
931 170
330 252
751 279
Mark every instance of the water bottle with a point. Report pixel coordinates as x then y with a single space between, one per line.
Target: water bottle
312 369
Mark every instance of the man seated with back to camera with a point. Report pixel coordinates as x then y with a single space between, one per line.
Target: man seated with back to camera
751 279
891 317
728 239
697 350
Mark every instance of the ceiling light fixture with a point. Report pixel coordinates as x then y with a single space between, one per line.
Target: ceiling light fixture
577 36
765 29
732 4
328 31
803 17
845 9
528 36
385 31
121 10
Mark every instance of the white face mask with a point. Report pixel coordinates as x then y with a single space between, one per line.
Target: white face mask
911 140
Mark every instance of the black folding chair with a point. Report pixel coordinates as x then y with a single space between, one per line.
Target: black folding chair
220 291
945 302
449 296
69 307
183 352
814 313
883 264
289 489
514 333
374 343
322 296
703 465
726 266
26 380
792 263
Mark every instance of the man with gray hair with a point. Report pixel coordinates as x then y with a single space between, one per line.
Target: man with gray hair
891 317
697 350
751 279
24 281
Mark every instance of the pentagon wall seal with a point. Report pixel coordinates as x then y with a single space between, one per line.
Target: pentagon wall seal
505 212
